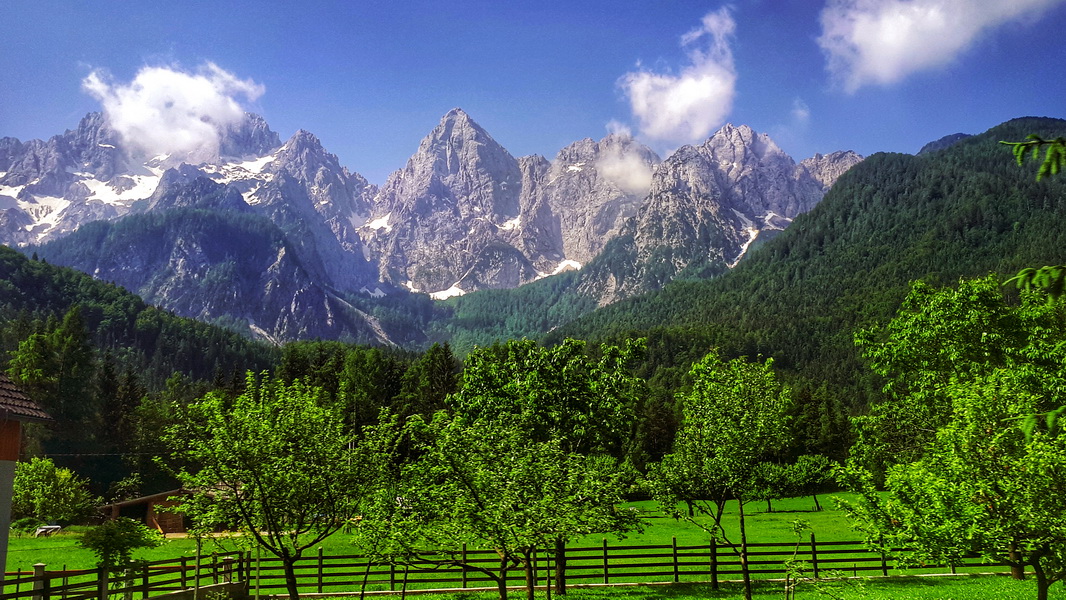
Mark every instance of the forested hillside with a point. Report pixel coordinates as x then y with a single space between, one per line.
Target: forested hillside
105 364
34 297
960 212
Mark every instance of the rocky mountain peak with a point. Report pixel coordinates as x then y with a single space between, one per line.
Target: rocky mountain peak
458 144
828 167
251 137
738 146
188 187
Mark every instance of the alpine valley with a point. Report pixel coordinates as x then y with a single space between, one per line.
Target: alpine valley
279 241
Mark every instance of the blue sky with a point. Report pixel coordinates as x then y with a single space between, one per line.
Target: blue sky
372 78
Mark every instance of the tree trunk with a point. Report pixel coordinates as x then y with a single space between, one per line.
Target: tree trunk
1017 570
531 575
289 564
366 576
691 510
817 507
744 552
1042 584
501 582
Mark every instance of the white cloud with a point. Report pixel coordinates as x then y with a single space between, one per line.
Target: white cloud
686 107
171 111
801 113
882 41
627 170
618 128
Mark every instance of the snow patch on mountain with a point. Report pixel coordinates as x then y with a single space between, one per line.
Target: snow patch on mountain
380 223
122 190
455 290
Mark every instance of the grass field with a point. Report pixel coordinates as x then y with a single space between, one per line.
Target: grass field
829 525
62 551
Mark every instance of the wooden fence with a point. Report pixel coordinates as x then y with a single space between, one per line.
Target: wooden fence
147 580
601 564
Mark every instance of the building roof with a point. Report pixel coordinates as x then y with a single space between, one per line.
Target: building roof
16 405
147 499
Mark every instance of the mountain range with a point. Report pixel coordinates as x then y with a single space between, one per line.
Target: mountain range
282 242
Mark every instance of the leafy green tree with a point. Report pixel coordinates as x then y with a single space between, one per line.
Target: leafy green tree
562 392
981 485
488 483
942 336
273 462
523 461
114 541
734 419
808 476
50 494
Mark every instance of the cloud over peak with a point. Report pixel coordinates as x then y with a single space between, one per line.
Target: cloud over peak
685 108
880 42
166 110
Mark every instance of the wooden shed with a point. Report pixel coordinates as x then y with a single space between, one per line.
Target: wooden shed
151 510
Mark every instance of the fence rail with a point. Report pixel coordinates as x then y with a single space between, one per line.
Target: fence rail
599 564
146 580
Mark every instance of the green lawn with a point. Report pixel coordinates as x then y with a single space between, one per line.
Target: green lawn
829 524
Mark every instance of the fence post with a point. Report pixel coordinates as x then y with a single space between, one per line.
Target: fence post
814 555
392 577
464 565
196 570
227 569
560 566
714 564
677 568
884 559
549 568
214 567
320 569
144 580
40 582
66 582
258 570
101 583
606 576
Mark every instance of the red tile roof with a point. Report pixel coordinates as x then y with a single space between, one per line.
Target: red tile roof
16 405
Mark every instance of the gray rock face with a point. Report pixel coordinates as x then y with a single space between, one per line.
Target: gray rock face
211 267
49 189
594 187
456 203
825 169
707 204
319 204
464 214
188 187
250 138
